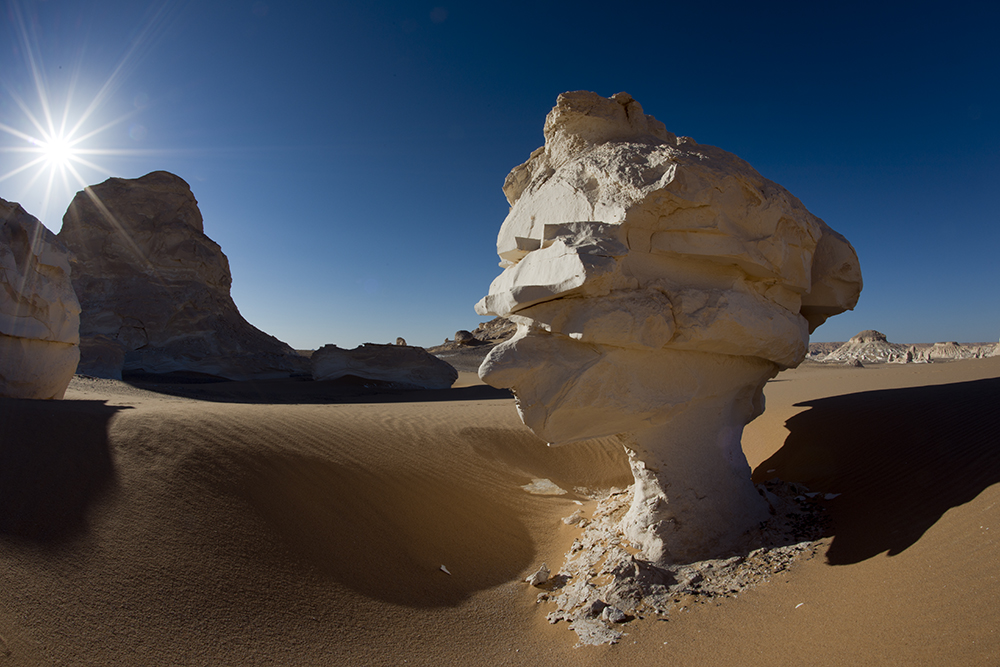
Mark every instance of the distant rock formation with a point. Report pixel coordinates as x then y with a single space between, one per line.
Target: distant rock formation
952 351
403 366
155 289
872 346
468 356
657 284
39 312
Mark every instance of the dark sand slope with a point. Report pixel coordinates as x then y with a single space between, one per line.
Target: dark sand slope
260 526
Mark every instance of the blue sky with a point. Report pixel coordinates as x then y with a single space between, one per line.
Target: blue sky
348 156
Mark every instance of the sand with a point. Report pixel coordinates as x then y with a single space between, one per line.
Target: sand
292 523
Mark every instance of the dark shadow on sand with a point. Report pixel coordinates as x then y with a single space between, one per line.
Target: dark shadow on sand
55 462
901 458
303 390
382 533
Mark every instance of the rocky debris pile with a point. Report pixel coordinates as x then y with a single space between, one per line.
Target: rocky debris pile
39 311
819 351
657 284
603 585
154 288
399 366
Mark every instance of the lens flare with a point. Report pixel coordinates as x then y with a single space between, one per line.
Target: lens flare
57 151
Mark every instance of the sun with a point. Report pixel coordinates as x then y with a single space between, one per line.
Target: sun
58 132
58 152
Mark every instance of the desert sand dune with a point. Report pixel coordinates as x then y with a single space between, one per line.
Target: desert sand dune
151 528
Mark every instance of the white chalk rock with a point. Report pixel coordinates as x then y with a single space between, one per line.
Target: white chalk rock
155 290
657 284
540 576
39 311
401 365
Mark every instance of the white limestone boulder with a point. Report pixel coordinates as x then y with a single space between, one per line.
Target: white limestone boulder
657 284
39 311
403 366
155 290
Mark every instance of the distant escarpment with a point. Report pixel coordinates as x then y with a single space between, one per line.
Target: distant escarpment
155 290
872 346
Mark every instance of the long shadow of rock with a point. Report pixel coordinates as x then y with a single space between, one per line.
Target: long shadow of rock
55 463
900 458
303 390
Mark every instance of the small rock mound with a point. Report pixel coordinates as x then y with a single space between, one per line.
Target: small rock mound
463 337
404 367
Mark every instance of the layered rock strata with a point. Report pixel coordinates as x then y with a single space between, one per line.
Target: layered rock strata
402 366
657 284
872 347
39 311
155 290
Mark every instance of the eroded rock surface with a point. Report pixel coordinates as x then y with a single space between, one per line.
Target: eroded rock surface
155 290
401 365
871 346
657 284
39 311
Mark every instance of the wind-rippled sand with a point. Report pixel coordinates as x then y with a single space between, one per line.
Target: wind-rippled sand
286 523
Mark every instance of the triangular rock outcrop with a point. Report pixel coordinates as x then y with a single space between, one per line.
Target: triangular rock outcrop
155 290
873 347
39 313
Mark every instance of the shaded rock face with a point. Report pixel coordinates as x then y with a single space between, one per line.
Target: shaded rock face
657 284
39 312
401 365
155 289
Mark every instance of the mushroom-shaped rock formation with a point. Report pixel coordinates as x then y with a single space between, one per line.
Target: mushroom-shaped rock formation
39 312
403 366
155 289
657 284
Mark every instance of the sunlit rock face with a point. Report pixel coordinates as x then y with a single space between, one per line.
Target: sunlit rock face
155 289
657 284
39 312
403 366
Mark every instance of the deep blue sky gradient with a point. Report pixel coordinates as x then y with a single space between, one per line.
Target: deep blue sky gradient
348 156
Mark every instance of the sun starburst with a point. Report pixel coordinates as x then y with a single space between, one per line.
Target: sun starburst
53 140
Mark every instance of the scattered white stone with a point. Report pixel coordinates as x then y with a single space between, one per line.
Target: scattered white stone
614 615
830 496
540 576
445 570
543 487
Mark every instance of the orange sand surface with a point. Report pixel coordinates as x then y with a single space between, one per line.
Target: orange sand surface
292 523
